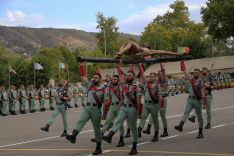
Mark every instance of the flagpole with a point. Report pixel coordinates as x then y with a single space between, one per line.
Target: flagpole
9 76
67 73
34 77
59 70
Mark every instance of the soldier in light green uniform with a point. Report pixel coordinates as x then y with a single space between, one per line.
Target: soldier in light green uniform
70 91
131 104
114 101
61 97
92 110
194 101
4 101
41 94
209 86
152 95
12 100
22 99
31 99
52 92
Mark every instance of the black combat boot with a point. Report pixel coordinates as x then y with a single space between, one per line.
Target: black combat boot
121 142
208 126
180 126
128 134
76 105
192 118
155 138
46 128
165 133
134 149
147 131
108 138
64 133
98 149
139 132
72 138
200 134
51 108
69 106
14 113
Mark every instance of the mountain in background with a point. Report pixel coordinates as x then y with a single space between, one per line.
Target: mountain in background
30 40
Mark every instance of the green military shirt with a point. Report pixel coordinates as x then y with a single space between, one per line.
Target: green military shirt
155 88
51 92
13 94
114 93
4 96
98 90
22 93
133 90
42 93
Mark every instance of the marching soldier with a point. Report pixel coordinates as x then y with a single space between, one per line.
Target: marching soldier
31 99
92 110
209 86
41 94
22 99
52 92
4 101
131 107
194 101
153 96
12 100
114 102
61 98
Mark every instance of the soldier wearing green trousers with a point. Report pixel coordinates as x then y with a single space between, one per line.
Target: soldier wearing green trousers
164 91
194 101
4 101
114 102
52 92
12 100
61 97
22 99
209 86
152 98
92 109
131 107
41 94
31 99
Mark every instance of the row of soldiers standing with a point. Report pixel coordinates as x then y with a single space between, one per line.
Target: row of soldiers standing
9 98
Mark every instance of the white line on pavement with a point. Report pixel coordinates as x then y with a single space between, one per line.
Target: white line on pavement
42 139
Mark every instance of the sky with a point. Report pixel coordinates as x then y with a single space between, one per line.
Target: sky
132 15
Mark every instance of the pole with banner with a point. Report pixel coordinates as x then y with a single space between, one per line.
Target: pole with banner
38 67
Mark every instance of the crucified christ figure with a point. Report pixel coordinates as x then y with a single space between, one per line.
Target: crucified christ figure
133 50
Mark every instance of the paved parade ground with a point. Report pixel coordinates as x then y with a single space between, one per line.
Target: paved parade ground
21 134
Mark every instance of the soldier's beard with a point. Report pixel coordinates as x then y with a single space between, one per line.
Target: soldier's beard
204 74
129 81
95 82
114 83
196 77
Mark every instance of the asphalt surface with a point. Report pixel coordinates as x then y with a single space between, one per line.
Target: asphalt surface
21 134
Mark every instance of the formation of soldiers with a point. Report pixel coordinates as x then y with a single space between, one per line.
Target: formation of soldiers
26 98
122 98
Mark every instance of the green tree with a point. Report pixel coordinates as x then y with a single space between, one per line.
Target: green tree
108 30
218 18
174 29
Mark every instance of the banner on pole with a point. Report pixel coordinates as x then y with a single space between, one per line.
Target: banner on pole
38 66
